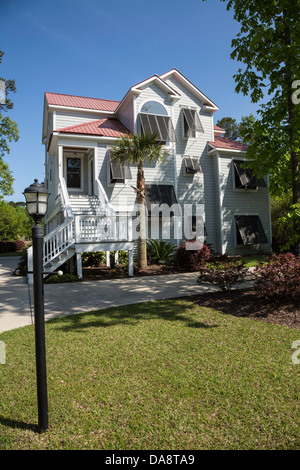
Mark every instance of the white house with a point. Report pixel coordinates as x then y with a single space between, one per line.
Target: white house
92 206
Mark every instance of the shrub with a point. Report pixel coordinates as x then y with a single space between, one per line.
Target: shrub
280 278
191 260
56 279
223 272
160 252
94 258
19 245
11 247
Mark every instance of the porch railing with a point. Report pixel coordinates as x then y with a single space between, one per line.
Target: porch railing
57 241
102 229
82 229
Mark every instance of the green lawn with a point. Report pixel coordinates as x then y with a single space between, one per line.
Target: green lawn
158 375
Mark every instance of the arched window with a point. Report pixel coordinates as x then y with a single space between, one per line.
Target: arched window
153 107
154 119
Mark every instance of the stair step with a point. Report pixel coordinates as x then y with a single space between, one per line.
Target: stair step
85 205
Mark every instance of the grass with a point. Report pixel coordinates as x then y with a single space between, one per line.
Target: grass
252 260
157 375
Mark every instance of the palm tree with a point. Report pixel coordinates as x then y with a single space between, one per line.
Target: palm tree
136 149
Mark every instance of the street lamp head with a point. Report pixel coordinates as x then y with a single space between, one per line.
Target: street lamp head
36 196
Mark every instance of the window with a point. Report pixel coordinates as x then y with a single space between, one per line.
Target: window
244 178
249 230
74 172
118 172
154 119
191 123
191 165
154 107
159 194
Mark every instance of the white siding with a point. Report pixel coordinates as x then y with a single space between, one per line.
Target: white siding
126 115
68 118
201 188
241 202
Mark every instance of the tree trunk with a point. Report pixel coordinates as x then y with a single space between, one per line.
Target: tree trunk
142 247
291 126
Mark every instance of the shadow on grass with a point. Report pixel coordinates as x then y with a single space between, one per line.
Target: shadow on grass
169 310
13 423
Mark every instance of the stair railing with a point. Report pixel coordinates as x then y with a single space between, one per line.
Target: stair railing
102 196
63 193
57 241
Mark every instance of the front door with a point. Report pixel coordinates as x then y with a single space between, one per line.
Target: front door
74 172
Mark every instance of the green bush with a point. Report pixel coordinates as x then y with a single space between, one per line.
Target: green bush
94 258
160 252
56 279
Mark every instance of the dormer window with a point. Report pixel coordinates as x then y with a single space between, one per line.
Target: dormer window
191 123
154 119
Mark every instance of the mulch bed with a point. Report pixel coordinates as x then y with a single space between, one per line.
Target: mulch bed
246 303
103 272
240 302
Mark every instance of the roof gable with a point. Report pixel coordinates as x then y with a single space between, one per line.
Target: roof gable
155 79
207 103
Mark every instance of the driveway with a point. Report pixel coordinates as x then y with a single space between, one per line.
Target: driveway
16 296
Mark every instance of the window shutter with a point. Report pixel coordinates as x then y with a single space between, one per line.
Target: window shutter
250 229
159 125
244 177
192 164
193 120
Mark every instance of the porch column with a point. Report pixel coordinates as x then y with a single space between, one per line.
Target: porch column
95 175
60 161
130 263
79 265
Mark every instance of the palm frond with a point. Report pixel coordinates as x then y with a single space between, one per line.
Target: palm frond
138 148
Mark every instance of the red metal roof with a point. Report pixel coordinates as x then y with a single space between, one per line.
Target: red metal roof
218 128
223 143
81 102
106 127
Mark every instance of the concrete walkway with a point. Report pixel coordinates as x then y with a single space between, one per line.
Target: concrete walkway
16 296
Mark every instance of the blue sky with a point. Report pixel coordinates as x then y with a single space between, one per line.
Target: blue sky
100 49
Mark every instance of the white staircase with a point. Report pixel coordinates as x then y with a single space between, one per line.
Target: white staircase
86 205
87 230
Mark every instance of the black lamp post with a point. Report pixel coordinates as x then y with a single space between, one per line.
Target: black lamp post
36 203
